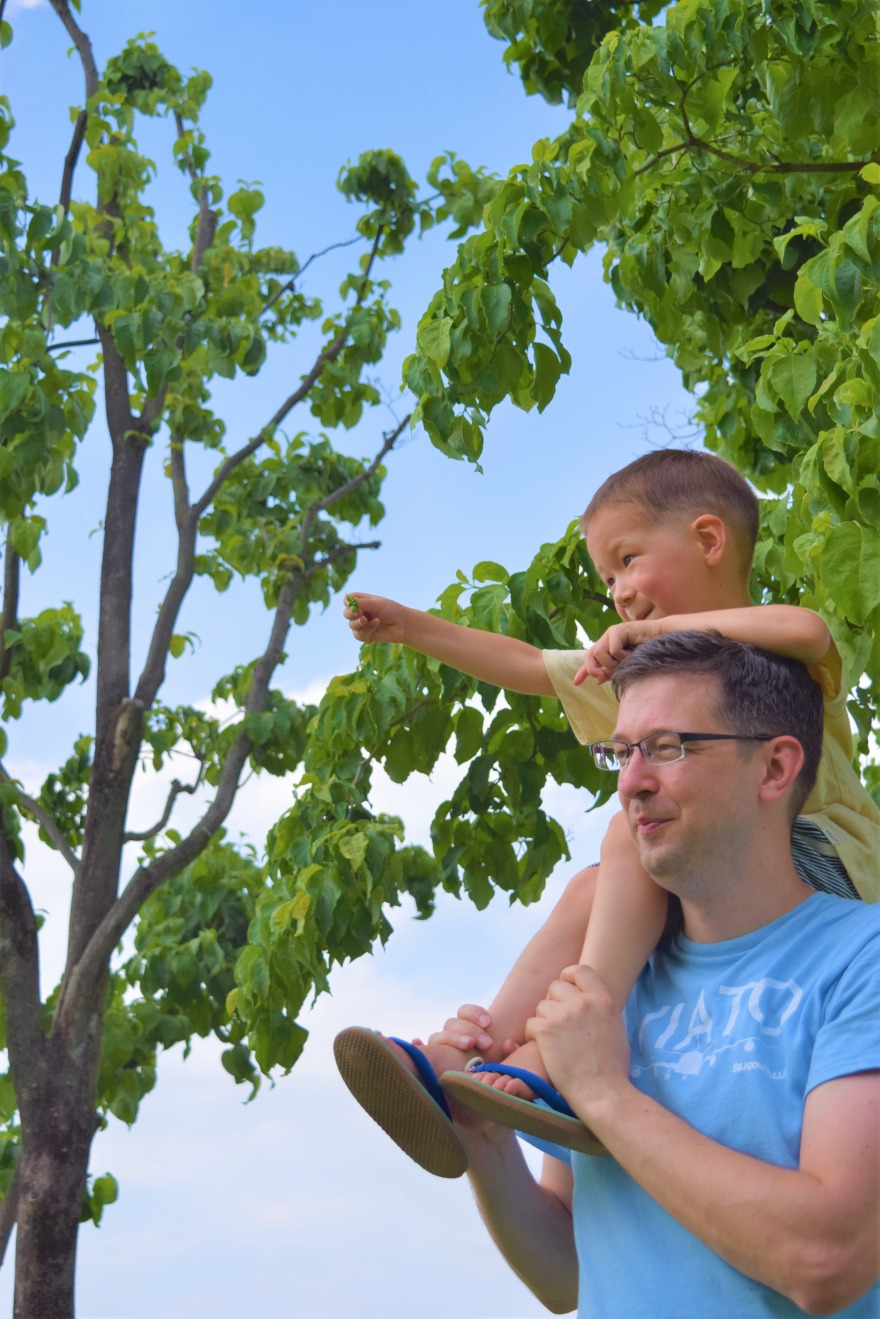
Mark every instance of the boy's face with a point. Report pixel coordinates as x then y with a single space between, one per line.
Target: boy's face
651 568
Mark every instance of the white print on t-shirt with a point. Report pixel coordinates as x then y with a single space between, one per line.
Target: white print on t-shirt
744 1019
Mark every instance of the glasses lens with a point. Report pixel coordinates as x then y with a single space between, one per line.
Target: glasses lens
662 747
609 755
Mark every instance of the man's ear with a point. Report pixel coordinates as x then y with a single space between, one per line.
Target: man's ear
783 759
712 536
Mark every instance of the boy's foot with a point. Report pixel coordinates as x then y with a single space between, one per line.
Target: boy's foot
527 1058
556 1123
395 1083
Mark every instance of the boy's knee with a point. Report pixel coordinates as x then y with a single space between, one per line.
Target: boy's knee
581 888
618 838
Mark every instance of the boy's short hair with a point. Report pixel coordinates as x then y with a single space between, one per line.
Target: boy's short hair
675 481
761 692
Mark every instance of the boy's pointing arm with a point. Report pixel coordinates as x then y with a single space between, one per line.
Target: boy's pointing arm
488 656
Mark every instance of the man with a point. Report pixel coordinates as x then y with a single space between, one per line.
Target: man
741 1099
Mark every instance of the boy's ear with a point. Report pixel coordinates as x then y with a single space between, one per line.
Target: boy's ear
712 536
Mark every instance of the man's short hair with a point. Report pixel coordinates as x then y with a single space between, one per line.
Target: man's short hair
671 482
760 692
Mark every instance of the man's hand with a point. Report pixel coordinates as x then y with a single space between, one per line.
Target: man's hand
582 1039
372 618
613 646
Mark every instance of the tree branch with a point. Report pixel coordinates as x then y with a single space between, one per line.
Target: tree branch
92 963
285 288
82 43
313 510
176 789
19 970
44 820
71 343
340 551
79 132
9 1203
329 354
9 618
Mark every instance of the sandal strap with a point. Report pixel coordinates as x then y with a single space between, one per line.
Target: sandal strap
427 1075
543 1089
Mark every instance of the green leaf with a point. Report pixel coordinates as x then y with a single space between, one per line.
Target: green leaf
13 387
793 376
850 569
433 339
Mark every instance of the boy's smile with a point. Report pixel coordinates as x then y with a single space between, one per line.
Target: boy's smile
655 569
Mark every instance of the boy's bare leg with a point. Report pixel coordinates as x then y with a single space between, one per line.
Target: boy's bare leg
556 945
625 923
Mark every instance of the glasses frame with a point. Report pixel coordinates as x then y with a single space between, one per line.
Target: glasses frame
683 738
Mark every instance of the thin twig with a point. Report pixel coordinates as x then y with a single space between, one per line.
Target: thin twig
176 789
285 288
44 820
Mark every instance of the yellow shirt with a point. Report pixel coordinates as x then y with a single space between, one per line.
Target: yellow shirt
838 804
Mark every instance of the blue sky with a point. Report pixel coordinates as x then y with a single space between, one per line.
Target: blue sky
296 1205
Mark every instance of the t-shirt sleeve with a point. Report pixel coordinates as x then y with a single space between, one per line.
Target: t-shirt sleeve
592 707
848 1041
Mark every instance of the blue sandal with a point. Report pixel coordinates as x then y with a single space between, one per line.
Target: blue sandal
556 1123
411 1110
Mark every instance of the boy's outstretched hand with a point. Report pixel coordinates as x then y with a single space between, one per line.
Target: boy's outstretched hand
605 654
372 618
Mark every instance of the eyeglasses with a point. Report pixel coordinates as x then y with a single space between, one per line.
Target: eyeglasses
660 748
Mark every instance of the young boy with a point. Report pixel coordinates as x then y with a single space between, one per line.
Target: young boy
672 535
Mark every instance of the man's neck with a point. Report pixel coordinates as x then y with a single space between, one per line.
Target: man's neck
763 887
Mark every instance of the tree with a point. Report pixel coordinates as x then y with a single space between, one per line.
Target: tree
728 161
278 510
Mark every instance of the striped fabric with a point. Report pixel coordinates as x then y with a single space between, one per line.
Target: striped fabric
817 862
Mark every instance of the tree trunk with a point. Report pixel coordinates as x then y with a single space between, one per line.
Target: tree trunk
57 1133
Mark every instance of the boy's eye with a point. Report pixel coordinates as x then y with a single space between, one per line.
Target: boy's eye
627 559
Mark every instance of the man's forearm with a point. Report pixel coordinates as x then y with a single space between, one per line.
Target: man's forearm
528 1221
490 656
780 1226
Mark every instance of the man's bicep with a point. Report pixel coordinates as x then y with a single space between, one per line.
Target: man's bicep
840 1147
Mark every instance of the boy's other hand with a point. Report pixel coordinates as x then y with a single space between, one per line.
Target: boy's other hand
372 618
605 654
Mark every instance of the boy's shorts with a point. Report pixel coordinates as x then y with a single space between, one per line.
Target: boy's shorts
817 862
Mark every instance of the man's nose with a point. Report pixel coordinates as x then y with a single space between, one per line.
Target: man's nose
637 777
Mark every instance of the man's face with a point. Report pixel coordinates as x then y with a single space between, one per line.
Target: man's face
688 818
652 570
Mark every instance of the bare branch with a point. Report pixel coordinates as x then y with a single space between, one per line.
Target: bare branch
9 1204
19 965
176 789
314 509
44 820
79 132
285 288
329 354
82 43
9 618
71 343
206 230
93 961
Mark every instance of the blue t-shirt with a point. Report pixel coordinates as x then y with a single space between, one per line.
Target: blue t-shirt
731 1037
